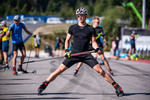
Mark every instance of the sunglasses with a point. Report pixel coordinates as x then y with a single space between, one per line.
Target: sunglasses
79 15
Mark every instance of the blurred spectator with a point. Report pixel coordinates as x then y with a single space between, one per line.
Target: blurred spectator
5 43
113 44
1 55
57 46
117 46
125 57
62 46
132 43
37 43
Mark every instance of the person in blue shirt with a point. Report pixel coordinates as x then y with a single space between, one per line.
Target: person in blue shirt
132 43
16 35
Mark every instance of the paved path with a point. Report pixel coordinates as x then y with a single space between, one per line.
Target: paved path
134 77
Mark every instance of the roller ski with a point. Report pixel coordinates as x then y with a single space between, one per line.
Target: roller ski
26 72
42 87
6 67
76 71
14 71
119 92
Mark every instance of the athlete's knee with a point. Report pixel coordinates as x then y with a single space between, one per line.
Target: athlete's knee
61 69
102 73
23 55
103 58
15 56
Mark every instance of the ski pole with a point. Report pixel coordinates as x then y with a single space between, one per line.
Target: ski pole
75 54
28 58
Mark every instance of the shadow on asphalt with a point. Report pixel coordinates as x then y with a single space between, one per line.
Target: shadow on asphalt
66 98
128 94
75 93
16 83
137 75
67 93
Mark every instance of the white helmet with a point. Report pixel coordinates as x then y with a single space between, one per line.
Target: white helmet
16 17
3 23
81 11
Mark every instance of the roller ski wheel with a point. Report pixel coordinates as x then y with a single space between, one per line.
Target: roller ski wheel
39 91
34 71
119 92
76 71
42 87
16 73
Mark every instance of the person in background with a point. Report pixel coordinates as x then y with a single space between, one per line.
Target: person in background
132 43
62 46
57 46
1 54
37 43
17 42
5 43
117 46
113 44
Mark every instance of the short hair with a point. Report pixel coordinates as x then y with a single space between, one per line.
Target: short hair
95 17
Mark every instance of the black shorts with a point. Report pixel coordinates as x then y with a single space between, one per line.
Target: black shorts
86 58
38 46
133 45
19 46
57 48
100 46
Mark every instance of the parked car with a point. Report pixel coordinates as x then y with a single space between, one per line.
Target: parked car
31 20
54 20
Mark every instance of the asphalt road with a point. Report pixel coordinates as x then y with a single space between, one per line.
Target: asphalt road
134 78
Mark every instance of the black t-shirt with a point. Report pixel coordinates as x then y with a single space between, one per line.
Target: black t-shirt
98 30
81 37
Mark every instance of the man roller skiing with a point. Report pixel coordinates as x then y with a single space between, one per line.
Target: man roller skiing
99 40
81 33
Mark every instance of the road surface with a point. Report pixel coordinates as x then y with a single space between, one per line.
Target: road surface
134 77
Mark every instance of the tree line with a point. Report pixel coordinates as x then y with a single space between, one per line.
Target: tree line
110 9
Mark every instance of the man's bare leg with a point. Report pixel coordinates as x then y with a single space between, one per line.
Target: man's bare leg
15 53
51 78
77 68
106 63
109 79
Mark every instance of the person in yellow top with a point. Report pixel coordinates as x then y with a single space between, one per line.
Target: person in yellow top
5 42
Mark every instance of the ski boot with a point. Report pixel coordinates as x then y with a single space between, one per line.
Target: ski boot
42 87
22 70
6 67
14 71
119 92
76 71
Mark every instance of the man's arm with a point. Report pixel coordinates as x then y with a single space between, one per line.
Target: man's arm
27 31
8 33
68 37
1 35
95 45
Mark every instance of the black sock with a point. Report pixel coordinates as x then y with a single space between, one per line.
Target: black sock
46 82
20 66
115 85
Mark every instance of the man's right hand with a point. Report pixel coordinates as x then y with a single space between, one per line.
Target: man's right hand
67 53
33 35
